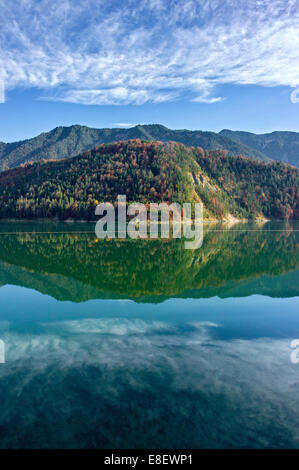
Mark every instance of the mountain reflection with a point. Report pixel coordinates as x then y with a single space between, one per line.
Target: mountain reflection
77 266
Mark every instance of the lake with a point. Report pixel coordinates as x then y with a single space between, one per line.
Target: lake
144 344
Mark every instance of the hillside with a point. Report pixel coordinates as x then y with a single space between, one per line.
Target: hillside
282 146
271 189
65 142
149 171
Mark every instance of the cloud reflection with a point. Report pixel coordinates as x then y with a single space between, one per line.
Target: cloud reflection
140 383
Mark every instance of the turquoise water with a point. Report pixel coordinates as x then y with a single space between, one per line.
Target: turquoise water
143 344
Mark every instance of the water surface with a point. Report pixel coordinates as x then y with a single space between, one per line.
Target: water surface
143 344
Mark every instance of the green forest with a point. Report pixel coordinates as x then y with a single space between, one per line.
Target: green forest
159 268
150 171
271 189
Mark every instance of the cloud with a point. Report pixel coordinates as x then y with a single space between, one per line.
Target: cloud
124 124
111 96
2 92
110 326
136 52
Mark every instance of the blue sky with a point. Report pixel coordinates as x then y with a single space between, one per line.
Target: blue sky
197 64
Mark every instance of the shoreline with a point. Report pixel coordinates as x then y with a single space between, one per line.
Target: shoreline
231 220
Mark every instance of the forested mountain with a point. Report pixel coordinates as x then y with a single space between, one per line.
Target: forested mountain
65 142
282 146
148 171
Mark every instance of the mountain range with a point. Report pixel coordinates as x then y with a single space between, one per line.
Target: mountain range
282 146
65 142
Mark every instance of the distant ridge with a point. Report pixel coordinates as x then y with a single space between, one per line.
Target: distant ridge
65 142
279 145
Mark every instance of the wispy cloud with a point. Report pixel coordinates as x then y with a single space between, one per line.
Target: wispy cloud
2 92
111 326
98 52
124 124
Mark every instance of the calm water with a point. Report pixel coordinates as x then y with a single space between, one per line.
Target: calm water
143 344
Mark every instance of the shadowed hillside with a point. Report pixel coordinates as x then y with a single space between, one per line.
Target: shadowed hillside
283 146
66 142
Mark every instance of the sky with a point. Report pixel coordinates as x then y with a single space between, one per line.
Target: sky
194 64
